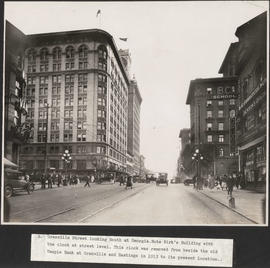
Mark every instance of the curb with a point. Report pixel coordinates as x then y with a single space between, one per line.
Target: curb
234 210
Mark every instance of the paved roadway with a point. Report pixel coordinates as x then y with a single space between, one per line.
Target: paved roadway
112 204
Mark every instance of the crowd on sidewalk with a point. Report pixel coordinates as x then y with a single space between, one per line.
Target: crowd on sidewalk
225 182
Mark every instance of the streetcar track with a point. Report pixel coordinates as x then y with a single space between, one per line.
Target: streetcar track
86 204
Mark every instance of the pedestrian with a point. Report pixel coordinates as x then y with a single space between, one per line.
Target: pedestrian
50 178
92 178
237 181
129 182
122 181
230 183
43 181
87 180
59 179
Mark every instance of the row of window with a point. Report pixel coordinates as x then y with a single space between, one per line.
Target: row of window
57 53
209 114
220 138
56 79
210 126
209 103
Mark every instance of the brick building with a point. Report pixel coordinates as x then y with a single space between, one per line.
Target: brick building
213 103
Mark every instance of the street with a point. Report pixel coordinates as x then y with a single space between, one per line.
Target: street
107 204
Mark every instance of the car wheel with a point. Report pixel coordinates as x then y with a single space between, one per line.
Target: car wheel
8 191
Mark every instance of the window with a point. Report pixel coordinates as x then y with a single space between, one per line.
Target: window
232 101
44 54
209 126
56 53
220 126
220 113
69 89
221 152
56 67
83 51
220 138
69 78
209 138
56 90
102 78
69 52
31 55
208 103
102 52
209 114
209 90
220 103
43 79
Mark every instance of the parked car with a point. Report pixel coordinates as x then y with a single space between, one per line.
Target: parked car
187 182
15 181
162 179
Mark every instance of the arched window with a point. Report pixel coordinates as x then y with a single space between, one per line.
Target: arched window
31 54
83 50
44 54
56 53
102 52
69 52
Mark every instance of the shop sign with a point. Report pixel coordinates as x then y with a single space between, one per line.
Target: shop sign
254 103
223 97
254 92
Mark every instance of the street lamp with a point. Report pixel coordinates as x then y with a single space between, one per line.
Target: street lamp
198 157
66 158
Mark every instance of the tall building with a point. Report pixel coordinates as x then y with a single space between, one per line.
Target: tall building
247 58
16 131
134 107
77 93
213 103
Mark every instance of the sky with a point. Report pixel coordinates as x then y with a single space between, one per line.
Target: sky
170 43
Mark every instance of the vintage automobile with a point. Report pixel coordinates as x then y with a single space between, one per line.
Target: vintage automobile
187 182
162 179
106 176
15 181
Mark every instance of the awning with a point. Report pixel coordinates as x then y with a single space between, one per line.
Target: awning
252 143
8 163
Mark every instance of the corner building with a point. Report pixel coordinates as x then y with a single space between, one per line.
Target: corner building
247 59
77 94
213 103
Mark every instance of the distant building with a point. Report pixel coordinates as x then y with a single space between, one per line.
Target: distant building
16 131
77 92
247 59
134 110
213 103
184 135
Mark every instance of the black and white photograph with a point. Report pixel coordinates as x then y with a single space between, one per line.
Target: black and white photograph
135 113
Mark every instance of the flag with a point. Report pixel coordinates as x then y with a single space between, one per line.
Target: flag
98 12
123 39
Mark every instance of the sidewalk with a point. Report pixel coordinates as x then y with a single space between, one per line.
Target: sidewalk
247 203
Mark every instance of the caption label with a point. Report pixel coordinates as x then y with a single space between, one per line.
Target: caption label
132 250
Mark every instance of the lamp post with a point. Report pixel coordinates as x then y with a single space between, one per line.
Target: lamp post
198 157
66 158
